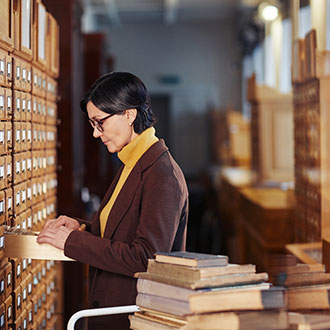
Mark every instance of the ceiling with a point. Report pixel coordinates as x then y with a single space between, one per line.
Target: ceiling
120 12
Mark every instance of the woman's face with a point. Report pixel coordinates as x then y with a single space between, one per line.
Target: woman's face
117 129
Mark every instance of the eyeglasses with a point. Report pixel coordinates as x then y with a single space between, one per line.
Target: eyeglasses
99 123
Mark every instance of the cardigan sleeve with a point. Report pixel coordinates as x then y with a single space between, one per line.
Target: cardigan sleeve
163 206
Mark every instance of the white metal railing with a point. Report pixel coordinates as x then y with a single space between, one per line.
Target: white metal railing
99 312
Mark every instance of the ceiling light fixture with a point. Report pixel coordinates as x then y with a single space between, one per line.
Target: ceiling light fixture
268 11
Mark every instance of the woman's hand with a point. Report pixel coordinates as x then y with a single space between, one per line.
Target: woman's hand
62 220
55 236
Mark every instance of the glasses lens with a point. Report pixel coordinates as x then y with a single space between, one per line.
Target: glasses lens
96 124
99 125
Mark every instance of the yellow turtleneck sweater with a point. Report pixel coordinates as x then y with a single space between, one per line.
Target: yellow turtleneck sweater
129 155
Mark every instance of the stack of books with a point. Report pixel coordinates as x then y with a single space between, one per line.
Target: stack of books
307 287
184 290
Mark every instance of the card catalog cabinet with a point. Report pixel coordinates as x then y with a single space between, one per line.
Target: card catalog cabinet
311 136
29 67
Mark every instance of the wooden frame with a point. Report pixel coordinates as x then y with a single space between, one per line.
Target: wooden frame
40 32
310 51
308 253
52 47
23 22
7 25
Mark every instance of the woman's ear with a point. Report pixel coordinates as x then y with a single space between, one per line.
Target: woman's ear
131 115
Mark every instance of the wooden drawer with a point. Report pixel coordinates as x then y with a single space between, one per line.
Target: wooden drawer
51 136
51 113
5 69
9 204
17 301
3 108
51 89
3 146
2 208
9 311
3 178
2 316
17 271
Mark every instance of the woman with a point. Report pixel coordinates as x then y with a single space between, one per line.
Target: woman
145 209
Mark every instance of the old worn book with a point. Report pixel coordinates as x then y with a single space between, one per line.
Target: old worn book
217 281
247 320
299 268
179 293
161 316
191 259
138 322
304 321
216 301
191 274
309 278
309 297
244 320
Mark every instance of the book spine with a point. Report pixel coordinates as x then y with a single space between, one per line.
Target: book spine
304 299
166 270
163 290
161 304
243 300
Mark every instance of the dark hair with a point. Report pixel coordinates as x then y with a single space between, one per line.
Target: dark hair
116 92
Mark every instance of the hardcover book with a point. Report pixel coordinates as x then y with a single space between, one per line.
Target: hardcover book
314 297
191 259
216 301
191 274
179 293
211 282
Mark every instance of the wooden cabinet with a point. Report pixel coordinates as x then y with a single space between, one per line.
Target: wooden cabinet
28 134
312 137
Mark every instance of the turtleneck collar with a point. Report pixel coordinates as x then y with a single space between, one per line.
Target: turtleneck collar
132 152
